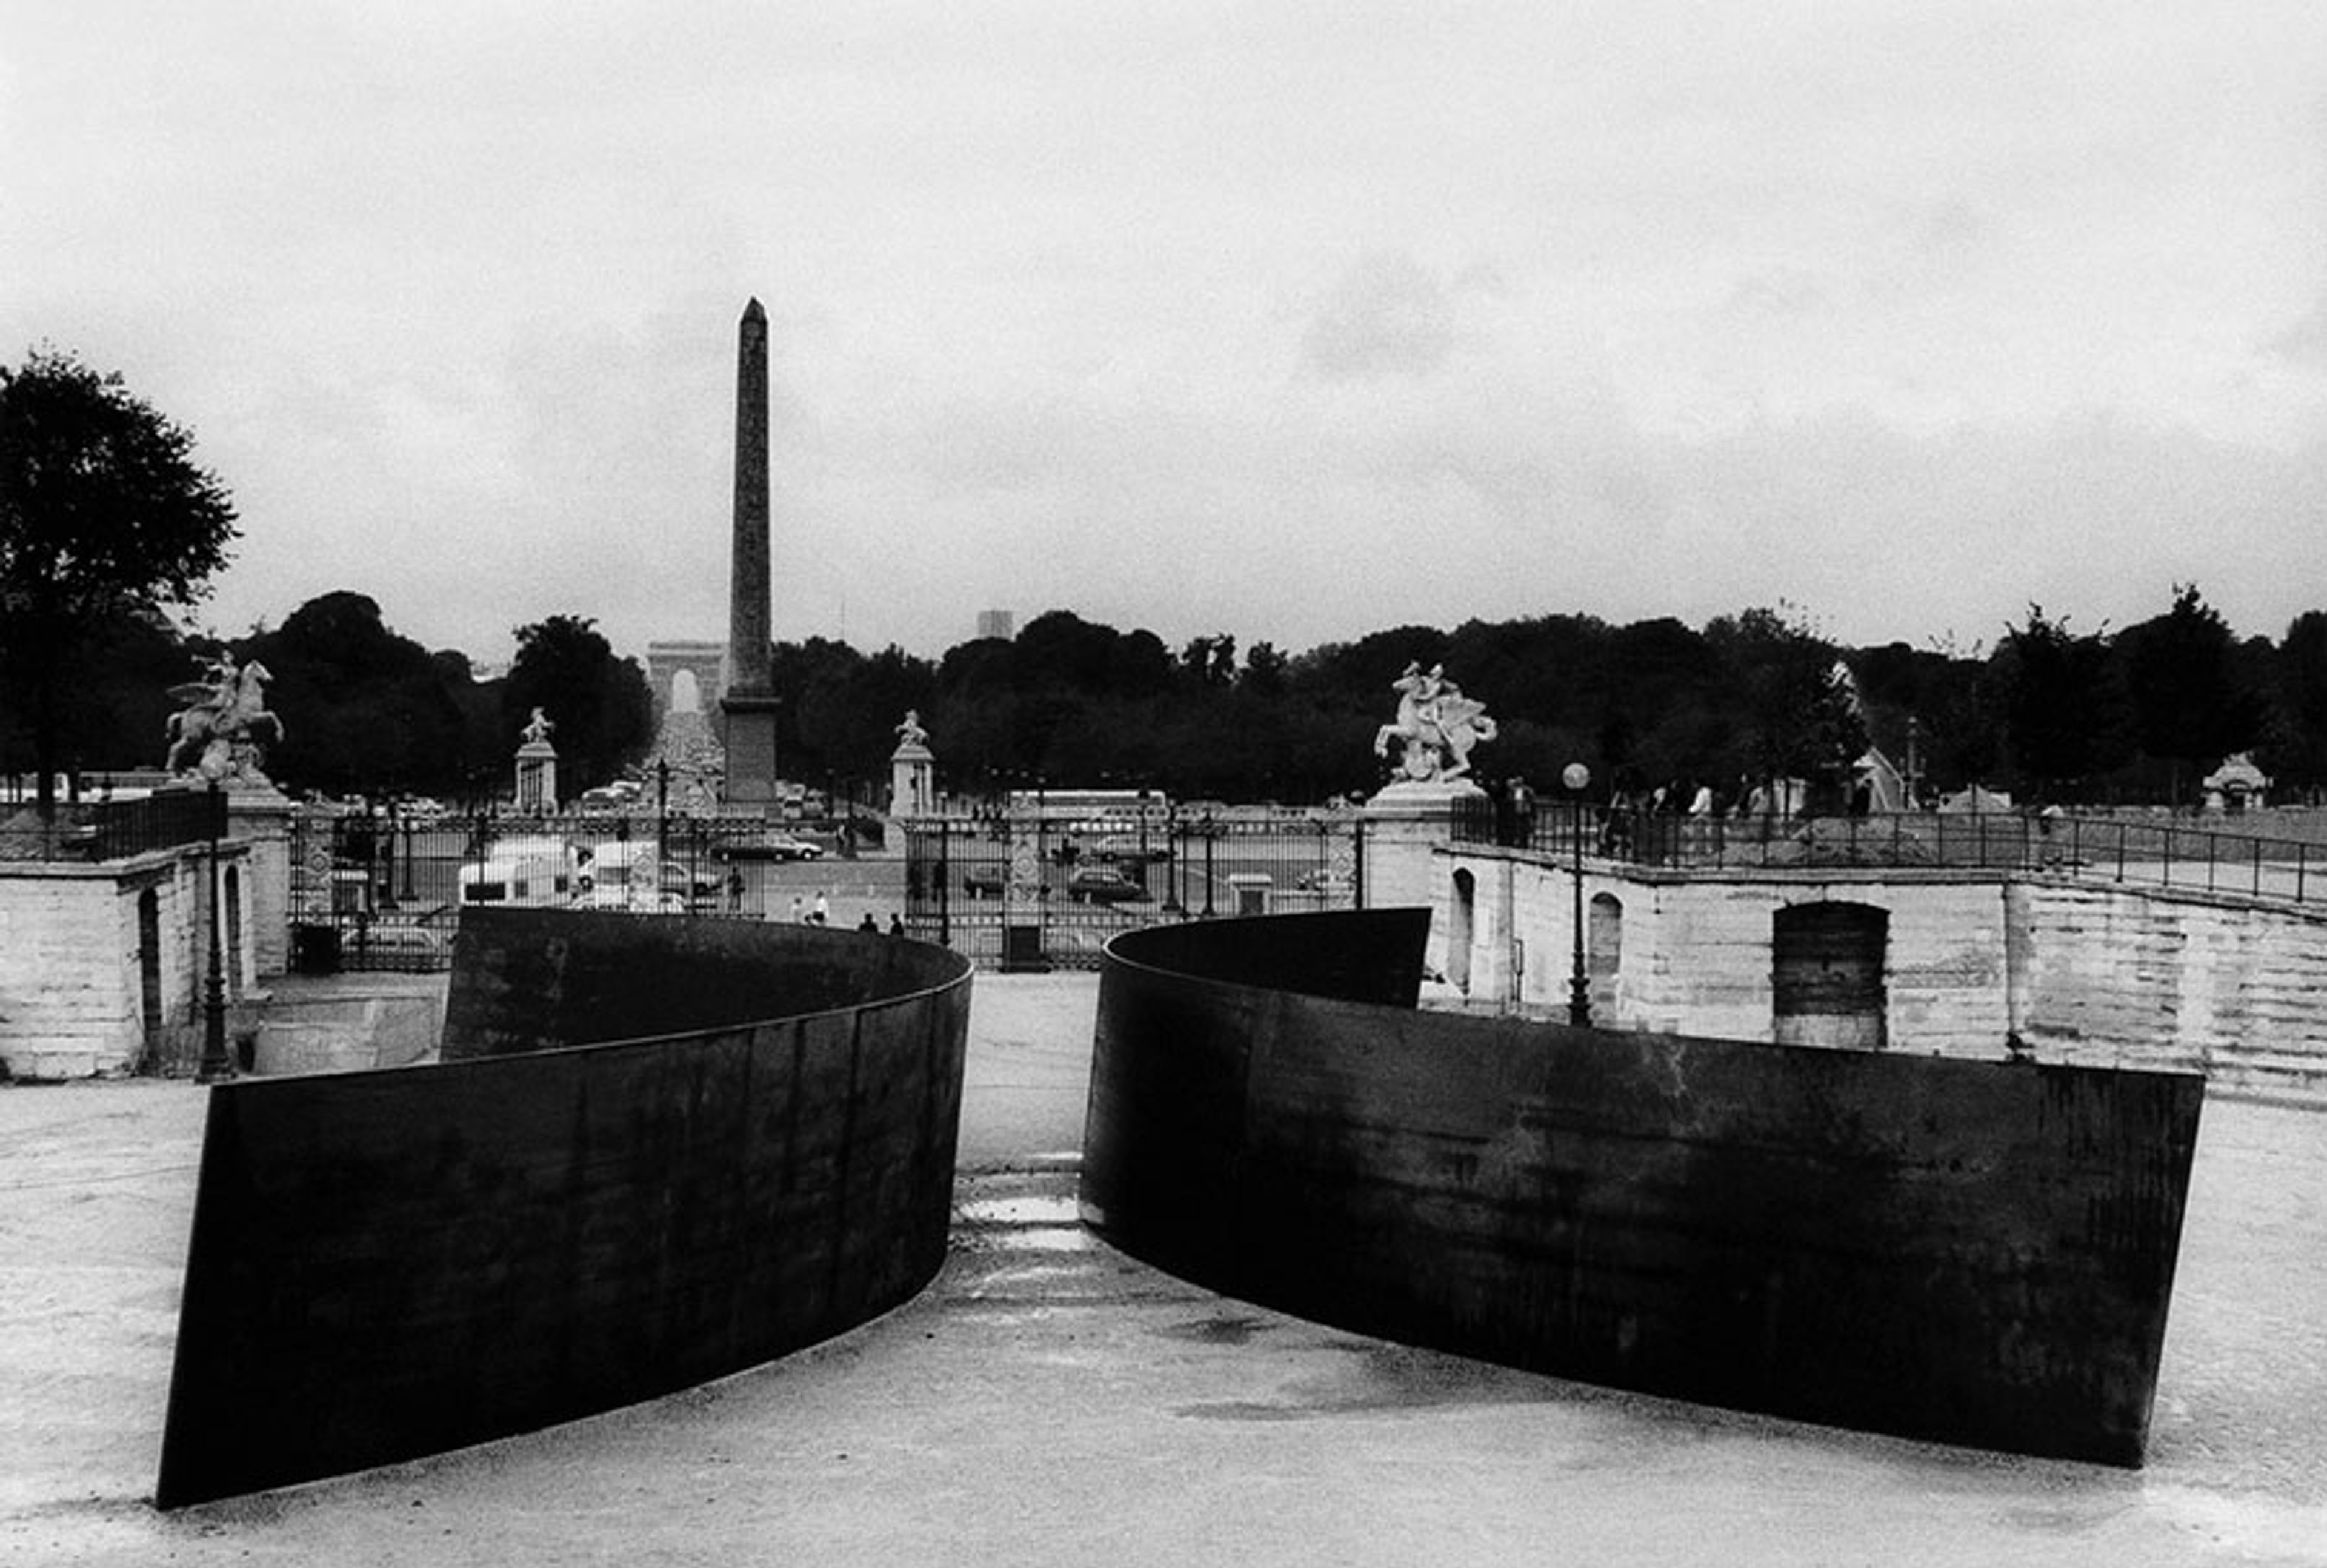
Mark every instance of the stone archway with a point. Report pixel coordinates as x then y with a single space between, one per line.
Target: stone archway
704 666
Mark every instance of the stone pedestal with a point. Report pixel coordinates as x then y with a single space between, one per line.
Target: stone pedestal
537 779
747 735
913 780
259 814
1022 896
1406 826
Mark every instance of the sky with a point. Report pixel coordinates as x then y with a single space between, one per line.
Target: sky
1288 321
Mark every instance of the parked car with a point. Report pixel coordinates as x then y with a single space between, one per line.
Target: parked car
698 883
771 847
985 881
1103 884
1130 847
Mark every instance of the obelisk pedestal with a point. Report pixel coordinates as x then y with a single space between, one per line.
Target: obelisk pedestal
748 708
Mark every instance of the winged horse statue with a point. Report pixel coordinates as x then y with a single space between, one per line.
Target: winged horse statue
219 732
1436 727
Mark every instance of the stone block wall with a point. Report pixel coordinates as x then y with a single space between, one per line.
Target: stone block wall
1976 964
72 998
2119 978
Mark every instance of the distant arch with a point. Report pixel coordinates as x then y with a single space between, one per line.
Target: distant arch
704 666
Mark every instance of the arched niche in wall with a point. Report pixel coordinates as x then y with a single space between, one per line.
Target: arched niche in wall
1603 931
1459 928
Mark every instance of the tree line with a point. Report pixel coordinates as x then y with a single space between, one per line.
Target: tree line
108 533
2050 712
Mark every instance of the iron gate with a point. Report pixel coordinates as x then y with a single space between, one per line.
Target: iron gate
1021 891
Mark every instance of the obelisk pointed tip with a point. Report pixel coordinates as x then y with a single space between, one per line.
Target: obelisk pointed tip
753 313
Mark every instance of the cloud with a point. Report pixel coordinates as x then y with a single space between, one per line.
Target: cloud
1386 316
2305 342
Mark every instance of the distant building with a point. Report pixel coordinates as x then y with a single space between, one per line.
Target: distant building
997 623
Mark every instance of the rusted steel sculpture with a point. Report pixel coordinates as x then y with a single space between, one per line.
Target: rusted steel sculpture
657 1151
1967 1252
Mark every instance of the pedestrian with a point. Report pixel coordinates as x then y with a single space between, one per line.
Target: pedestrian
822 915
798 915
868 924
896 924
735 889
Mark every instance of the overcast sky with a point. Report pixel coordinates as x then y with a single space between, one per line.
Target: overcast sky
1292 322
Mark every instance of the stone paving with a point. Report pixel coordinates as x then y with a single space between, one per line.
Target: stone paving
1050 1401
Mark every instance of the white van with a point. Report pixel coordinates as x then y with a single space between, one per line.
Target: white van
627 876
534 871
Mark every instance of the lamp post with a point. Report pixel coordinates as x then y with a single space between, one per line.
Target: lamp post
1576 776
215 1064
1207 862
662 811
1175 873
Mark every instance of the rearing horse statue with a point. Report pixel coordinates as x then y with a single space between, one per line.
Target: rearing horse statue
217 733
1436 725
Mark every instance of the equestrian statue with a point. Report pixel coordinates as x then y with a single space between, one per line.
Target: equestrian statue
217 734
1436 727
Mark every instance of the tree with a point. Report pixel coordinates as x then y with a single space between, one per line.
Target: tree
2302 694
364 710
1799 720
601 705
2064 703
2190 705
103 514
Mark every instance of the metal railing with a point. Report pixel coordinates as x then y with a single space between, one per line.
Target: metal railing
107 830
383 891
2138 850
1035 893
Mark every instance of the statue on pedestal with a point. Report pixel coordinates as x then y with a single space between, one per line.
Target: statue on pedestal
1436 727
912 770
217 735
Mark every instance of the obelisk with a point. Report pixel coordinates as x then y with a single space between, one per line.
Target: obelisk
748 706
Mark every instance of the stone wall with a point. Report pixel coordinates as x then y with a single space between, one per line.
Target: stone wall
1976 964
72 1000
2114 977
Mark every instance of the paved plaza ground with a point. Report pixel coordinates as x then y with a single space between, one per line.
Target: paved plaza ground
1049 1401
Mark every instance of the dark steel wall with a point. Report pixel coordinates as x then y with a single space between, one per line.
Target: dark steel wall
1967 1252
388 1265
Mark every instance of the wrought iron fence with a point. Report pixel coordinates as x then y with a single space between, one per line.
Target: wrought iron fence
1027 893
114 829
2139 850
384 890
